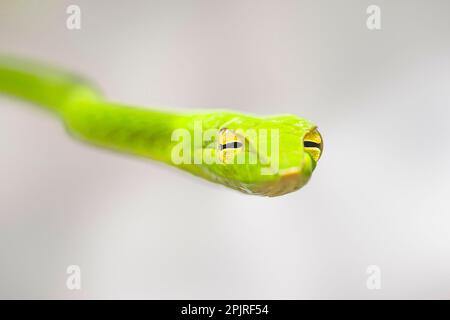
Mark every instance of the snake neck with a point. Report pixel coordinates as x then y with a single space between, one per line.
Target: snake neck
43 85
143 132
87 115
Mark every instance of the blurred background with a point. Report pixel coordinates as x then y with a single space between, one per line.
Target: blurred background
137 229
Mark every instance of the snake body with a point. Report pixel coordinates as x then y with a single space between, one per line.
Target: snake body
151 133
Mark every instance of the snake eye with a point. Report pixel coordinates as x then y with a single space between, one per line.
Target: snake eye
229 144
313 144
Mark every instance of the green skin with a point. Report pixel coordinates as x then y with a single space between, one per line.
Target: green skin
148 132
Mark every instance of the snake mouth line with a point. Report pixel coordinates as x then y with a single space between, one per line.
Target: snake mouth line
290 172
290 180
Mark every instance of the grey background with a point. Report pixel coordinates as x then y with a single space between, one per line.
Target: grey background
140 229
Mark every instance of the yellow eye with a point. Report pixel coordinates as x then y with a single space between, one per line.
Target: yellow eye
229 144
313 144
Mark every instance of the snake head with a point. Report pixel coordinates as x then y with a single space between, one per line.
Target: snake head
268 156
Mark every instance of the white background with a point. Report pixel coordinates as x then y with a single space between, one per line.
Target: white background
137 229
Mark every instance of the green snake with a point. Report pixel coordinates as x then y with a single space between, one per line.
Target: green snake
262 155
